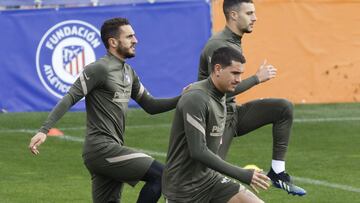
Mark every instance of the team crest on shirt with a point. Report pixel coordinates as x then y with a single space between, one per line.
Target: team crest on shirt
63 52
127 79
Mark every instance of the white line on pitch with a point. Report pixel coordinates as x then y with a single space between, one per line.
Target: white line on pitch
327 184
299 179
311 120
166 125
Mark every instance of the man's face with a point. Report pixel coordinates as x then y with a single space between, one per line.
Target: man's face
126 42
245 17
230 77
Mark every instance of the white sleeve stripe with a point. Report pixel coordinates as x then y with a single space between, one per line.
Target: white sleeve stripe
83 83
141 91
195 123
126 157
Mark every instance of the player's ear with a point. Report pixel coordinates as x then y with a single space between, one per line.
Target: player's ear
217 70
233 15
112 42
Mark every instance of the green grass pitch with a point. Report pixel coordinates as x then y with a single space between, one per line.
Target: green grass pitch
324 155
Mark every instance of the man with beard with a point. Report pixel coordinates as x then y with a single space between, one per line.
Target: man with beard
240 18
107 85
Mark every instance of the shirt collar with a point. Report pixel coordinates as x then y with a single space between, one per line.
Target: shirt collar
232 35
214 90
112 56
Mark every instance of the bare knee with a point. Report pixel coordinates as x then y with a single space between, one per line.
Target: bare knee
245 197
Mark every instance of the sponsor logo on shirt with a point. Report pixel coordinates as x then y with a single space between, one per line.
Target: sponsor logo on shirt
225 180
121 97
63 52
217 130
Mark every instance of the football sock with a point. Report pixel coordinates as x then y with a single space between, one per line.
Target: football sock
278 166
151 191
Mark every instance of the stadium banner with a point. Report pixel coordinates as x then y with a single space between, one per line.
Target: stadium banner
43 51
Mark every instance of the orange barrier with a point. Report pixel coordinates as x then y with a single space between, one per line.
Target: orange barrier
314 44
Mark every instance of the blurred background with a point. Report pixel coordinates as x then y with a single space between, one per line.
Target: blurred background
315 46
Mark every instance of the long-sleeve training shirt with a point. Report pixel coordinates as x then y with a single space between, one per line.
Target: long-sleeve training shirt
107 85
225 38
192 163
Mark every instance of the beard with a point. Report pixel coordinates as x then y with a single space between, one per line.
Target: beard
246 30
123 51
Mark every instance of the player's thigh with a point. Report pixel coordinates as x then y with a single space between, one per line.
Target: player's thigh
224 190
257 113
105 189
245 196
121 164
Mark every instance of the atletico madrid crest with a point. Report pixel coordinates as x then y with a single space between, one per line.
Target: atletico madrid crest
73 59
63 52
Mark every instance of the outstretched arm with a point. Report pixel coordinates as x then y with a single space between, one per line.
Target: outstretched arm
149 103
58 111
244 85
88 79
153 105
263 74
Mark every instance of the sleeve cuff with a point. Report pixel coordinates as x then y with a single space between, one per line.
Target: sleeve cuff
43 130
256 79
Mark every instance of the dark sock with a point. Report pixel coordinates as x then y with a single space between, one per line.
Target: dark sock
151 191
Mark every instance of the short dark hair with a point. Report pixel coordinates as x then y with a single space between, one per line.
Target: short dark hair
230 5
225 55
110 29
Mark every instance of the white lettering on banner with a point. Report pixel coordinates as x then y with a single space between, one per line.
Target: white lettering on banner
63 53
67 31
54 80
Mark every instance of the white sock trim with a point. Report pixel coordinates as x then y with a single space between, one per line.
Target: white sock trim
278 166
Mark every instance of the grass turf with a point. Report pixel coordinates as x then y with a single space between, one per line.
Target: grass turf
320 150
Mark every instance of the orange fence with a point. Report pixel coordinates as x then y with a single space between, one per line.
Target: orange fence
314 44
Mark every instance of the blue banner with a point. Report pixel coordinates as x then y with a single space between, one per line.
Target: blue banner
43 51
